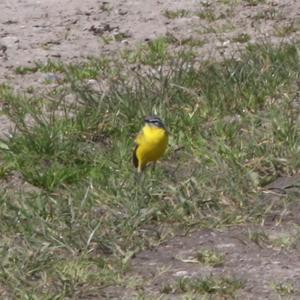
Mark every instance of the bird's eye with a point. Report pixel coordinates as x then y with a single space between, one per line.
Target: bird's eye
155 122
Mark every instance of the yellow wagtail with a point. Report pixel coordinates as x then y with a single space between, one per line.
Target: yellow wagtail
151 143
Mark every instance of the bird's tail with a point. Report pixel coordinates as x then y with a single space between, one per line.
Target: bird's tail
134 157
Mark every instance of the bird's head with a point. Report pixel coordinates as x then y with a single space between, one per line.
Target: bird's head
154 121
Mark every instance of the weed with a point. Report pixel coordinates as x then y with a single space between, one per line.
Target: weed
174 14
283 288
210 285
189 41
268 14
242 38
255 2
207 14
105 7
210 258
258 237
154 53
120 36
285 241
230 2
285 30
25 70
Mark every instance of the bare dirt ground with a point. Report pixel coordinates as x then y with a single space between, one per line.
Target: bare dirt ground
72 30
264 258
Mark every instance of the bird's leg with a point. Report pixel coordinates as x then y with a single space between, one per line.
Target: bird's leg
139 176
153 166
139 189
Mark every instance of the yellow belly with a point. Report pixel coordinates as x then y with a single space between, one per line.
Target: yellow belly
151 145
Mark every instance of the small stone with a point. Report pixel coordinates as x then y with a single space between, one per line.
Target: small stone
49 77
181 273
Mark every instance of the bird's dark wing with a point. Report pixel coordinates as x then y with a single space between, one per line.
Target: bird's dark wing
134 158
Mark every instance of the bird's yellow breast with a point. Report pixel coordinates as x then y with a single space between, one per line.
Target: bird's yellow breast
151 143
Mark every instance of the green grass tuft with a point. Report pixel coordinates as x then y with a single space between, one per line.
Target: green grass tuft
210 258
210 285
174 14
77 215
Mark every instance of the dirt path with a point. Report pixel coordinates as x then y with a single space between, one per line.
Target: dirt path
41 30
32 30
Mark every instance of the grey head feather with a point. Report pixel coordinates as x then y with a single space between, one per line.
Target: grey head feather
155 121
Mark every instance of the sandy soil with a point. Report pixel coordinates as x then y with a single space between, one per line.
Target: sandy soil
72 30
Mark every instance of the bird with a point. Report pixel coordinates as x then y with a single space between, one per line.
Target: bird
151 143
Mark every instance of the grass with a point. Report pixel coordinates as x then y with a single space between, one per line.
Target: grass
259 237
155 53
269 14
229 2
285 240
74 229
207 14
211 258
255 2
216 29
174 14
120 36
242 38
283 288
171 39
90 69
25 70
225 286
285 30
